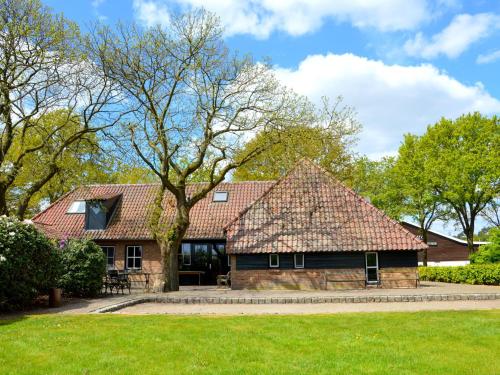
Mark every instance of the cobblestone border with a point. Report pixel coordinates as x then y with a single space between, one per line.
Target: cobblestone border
298 300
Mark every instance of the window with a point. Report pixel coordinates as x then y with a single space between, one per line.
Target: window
274 260
432 243
298 260
220 196
134 257
371 267
186 254
77 207
109 251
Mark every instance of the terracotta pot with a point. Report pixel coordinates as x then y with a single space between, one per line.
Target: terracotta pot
55 297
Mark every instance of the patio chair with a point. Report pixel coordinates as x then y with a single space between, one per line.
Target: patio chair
224 279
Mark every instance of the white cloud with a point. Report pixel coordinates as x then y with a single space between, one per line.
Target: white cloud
489 57
391 100
151 13
458 36
296 17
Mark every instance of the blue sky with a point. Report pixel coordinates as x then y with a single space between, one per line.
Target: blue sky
402 64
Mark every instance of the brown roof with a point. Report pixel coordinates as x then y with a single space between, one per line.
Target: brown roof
309 211
131 218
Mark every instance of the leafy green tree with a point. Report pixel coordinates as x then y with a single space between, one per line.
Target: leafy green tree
463 164
489 253
327 140
43 68
374 179
411 179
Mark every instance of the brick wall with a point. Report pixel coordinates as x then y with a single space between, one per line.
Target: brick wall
151 261
446 250
322 279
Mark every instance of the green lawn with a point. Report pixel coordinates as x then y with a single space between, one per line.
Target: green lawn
379 343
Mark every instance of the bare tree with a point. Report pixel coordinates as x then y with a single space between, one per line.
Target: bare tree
193 106
43 68
491 213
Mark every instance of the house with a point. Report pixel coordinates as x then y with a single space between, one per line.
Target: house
304 231
443 250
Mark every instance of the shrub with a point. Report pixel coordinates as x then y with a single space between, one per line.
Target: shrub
84 266
489 253
487 274
29 264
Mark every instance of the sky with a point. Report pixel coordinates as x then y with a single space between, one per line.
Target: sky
402 64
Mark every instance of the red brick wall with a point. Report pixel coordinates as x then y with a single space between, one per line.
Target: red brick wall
151 262
446 249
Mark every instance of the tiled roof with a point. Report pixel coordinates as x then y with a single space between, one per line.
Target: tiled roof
309 211
131 218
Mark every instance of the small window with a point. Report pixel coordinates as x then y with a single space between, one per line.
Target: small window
134 257
432 243
298 260
274 260
220 196
186 254
109 251
77 207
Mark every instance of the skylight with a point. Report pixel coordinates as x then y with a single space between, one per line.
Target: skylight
220 196
77 207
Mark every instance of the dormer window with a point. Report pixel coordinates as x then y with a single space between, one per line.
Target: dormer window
100 211
77 207
220 196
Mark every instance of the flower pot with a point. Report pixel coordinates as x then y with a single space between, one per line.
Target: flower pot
55 297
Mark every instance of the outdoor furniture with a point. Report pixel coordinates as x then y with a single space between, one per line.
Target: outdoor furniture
195 273
224 279
116 280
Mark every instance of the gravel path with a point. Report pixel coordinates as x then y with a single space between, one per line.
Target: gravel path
322 308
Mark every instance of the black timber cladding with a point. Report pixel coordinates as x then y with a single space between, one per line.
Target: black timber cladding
328 260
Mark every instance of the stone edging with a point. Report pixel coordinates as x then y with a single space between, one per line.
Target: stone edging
298 300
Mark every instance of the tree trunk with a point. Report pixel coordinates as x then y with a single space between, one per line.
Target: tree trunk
169 247
3 202
469 233
425 239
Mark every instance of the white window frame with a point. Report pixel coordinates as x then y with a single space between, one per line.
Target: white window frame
134 257
295 264
77 207
371 267
106 248
271 265
220 199
186 251
432 243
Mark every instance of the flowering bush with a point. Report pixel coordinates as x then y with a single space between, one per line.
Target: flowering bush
29 264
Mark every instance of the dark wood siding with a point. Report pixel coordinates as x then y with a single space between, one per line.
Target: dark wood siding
252 261
311 260
387 259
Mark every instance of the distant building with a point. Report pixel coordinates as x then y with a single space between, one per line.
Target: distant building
443 250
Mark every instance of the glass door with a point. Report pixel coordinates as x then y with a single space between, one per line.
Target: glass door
371 268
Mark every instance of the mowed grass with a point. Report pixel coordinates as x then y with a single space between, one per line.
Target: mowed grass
466 342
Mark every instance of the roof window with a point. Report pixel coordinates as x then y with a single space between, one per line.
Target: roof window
77 207
220 196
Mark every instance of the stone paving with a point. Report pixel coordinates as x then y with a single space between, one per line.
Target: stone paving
321 308
428 292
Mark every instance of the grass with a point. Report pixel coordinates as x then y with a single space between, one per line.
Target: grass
466 342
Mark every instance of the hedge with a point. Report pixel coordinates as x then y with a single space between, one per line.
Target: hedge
485 274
